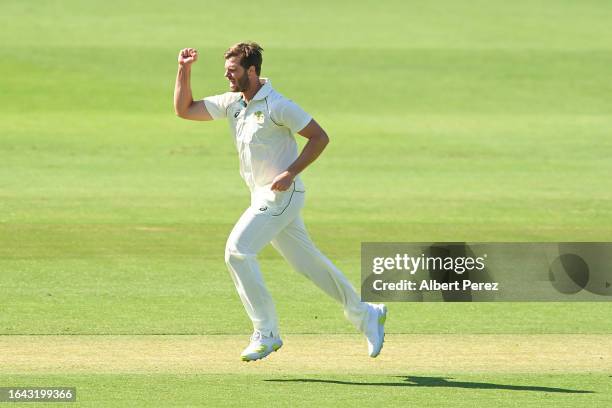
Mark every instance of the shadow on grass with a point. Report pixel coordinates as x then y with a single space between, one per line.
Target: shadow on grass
413 381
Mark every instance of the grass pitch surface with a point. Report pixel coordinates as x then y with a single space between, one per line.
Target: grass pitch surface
324 369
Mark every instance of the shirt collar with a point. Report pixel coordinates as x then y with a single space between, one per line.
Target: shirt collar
264 90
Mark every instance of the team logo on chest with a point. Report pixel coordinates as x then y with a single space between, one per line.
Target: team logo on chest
259 117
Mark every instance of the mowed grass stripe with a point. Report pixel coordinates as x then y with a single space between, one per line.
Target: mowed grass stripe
304 354
325 390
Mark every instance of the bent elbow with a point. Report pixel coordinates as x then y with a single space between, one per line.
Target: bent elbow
324 139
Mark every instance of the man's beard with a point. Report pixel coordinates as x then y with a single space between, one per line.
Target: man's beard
242 84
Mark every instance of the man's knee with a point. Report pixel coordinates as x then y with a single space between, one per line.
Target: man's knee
235 254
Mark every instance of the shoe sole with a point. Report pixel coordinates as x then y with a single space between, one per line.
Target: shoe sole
275 348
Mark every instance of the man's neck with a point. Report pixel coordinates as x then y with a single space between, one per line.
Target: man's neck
252 91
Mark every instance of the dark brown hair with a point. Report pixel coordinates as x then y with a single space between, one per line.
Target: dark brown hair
249 54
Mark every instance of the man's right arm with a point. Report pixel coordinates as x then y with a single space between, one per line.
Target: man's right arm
184 105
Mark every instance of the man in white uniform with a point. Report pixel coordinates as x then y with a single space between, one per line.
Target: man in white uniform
263 122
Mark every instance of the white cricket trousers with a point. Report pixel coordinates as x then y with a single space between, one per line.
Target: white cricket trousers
275 217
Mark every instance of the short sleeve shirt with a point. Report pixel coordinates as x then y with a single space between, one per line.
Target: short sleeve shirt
263 130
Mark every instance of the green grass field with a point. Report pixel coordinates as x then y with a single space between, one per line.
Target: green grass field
449 121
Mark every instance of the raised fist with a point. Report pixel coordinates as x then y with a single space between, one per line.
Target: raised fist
187 56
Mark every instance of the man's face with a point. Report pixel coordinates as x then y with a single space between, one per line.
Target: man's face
236 74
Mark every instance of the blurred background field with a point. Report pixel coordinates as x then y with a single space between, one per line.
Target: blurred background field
449 121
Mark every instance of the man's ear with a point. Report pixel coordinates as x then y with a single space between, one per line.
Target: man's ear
251 71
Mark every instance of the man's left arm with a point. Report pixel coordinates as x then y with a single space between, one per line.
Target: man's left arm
317 140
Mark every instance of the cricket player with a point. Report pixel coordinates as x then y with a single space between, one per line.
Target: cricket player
263 123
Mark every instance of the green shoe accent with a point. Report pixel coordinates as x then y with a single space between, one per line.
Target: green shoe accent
275 347
261 349
244 358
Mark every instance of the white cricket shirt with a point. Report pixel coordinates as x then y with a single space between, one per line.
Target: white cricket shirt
263 132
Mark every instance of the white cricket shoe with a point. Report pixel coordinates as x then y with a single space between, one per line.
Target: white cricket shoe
375 328
260 346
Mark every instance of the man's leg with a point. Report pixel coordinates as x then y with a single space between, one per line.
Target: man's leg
294 244
296 247
254 230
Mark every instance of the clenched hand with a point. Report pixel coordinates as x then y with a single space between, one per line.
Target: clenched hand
187 56
282 182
